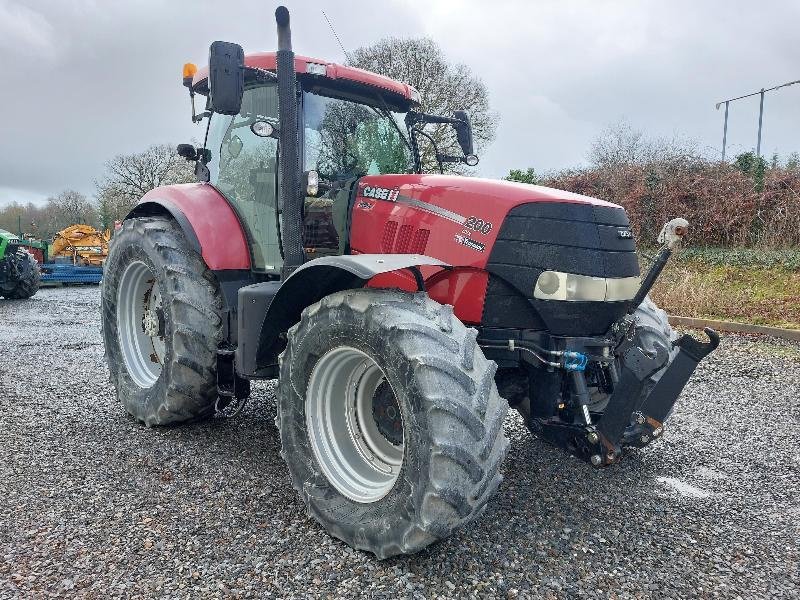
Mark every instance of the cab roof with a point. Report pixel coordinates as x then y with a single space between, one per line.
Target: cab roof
305 65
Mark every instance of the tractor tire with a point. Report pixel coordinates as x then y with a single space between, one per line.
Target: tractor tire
161 320
27 279
390 420
652 329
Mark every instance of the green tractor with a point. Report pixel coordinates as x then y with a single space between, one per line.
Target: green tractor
19 271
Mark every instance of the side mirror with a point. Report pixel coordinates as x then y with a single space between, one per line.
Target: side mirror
187 151
225 78
464 132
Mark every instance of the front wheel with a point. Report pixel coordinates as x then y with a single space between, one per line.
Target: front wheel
161 323
390 420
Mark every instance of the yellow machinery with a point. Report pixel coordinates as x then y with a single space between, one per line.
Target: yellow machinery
83 243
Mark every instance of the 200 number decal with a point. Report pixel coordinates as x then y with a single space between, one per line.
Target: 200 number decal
478 225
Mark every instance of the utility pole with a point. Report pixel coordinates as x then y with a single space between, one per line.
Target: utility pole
725 130
760 121
760 114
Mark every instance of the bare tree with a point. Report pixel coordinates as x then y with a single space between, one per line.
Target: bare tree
13 217
620 145
72 207
444 87
128 177
30 219
67 208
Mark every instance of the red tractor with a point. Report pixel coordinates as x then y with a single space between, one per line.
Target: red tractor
391 305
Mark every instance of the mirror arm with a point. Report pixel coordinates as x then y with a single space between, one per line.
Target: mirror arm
195 117
191 98
416 117
435 149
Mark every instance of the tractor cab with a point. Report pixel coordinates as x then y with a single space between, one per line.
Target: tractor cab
352 123
350 128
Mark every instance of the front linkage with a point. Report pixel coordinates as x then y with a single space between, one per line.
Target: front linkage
636 409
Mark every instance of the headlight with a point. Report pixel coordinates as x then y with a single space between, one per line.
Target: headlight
554 285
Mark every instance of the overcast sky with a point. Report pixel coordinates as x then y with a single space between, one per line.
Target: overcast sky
82 80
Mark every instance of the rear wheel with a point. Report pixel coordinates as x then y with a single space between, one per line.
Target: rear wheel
161 323
23 273
390 420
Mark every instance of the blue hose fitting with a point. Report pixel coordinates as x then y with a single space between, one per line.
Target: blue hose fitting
574 361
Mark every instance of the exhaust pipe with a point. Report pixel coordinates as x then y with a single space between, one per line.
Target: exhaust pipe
290 192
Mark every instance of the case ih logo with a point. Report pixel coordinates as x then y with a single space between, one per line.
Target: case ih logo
380 193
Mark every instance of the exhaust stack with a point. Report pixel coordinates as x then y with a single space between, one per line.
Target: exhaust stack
290 194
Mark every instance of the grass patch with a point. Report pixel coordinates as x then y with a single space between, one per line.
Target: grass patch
784 258
767 349
749 286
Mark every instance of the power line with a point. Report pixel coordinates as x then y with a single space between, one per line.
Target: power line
757 93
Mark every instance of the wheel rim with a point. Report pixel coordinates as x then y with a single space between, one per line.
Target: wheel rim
140 324
352 417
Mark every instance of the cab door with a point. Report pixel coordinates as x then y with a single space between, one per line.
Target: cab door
243 168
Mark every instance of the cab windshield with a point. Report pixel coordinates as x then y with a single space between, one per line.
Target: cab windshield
346 140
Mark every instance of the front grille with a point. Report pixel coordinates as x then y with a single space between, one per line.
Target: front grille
572 238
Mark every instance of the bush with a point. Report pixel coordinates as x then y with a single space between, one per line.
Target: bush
747 203
722 203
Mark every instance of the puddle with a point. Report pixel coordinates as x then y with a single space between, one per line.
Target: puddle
683 488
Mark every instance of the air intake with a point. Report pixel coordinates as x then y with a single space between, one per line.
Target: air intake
403 239
420 241
389 231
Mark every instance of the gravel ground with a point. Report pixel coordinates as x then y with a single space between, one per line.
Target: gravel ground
96 505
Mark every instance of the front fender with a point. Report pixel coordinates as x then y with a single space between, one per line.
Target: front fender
209 223
275 307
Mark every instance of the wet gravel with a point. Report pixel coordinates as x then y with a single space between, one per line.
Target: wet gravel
93 504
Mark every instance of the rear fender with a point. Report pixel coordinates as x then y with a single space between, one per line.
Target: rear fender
208 221
258 347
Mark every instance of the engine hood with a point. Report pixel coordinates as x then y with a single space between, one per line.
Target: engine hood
456 218
452 191
510 232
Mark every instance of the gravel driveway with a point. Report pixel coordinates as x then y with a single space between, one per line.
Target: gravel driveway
94 504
